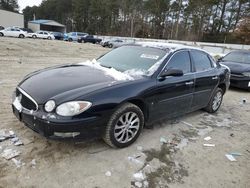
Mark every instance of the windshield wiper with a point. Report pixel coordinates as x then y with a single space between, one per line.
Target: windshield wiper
109 67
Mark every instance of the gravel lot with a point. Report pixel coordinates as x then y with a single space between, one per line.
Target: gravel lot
181 162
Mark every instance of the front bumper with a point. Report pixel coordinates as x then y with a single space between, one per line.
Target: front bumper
51 125
240 82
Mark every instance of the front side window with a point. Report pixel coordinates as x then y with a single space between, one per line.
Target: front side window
180 61
201 61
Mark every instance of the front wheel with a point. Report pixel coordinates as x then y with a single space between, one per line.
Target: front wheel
34 36
124 126
215 102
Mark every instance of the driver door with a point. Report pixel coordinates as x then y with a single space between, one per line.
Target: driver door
174 94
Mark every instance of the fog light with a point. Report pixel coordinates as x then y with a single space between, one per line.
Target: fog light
50 106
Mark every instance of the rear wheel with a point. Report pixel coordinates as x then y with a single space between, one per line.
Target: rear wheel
124 126
110 45
1 34
21 36
34 36
49 38
215 102
70 39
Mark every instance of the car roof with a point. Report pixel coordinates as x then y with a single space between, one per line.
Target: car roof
166 46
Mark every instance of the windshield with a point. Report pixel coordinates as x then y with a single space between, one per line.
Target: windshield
239 57
132 59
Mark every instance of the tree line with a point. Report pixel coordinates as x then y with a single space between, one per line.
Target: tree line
203 20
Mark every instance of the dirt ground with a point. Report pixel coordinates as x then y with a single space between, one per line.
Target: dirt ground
182 161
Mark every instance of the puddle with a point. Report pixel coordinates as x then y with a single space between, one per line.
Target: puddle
169 171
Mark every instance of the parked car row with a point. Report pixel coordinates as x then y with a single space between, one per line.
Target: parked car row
28 33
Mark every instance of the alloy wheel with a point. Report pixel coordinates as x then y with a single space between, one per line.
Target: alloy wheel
217 101
126 127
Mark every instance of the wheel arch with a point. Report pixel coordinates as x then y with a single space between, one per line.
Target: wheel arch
142 105
223 87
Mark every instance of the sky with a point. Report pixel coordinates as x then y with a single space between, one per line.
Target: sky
23 3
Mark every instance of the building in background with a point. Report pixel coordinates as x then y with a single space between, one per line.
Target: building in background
46 25
9 19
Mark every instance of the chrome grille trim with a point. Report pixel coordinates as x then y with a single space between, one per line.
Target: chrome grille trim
237 75
29 97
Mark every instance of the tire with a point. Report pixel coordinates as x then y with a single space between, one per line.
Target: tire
1 34
21 36
110 45
34 36
70 39
215 101
121 123
49 38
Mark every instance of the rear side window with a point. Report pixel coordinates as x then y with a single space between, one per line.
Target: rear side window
201 61
181 61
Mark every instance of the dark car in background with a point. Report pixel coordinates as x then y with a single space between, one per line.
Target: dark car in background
58 35
27 30
90 39
239 64
115 96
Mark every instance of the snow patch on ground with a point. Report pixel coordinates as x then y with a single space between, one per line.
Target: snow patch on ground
117 75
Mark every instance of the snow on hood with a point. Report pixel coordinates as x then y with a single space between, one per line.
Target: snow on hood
117 75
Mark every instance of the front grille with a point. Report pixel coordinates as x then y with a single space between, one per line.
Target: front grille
26 100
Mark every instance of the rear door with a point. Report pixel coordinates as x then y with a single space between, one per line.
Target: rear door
174 94
17 32
40 34
45 35
206 78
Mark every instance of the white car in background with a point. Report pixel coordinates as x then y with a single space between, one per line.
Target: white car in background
42 35
13 32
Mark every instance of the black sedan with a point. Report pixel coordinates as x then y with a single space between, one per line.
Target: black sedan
239 64
124 90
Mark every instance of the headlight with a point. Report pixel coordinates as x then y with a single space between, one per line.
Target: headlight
50 106
73 108
246 74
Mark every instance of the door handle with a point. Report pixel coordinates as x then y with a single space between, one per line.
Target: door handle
215 78
189 83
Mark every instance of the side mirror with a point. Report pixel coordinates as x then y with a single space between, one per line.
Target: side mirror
172 72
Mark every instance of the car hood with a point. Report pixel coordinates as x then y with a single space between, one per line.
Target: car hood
65 83
237 67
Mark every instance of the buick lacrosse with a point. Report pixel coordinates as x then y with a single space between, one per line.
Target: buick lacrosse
118 94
